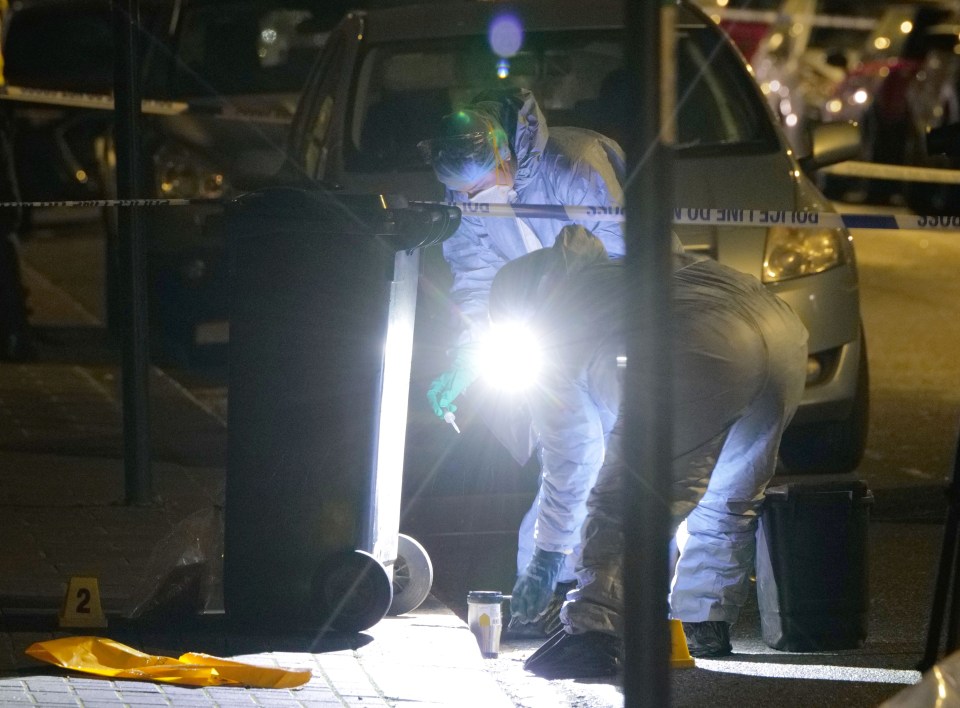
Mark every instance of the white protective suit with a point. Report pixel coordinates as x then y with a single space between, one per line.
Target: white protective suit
739 358
555 166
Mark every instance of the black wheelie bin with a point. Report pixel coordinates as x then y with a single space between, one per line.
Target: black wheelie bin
812 565
321 337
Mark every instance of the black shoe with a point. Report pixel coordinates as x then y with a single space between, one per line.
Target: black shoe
587 655
708 639
547 622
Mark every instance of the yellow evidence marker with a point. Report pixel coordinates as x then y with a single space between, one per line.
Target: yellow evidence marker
81 605
679 651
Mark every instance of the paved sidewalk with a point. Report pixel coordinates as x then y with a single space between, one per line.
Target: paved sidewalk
426 658
62 514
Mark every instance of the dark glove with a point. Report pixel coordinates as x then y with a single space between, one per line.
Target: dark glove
535 585
448 386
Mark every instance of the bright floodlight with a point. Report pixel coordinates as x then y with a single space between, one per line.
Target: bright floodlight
510 356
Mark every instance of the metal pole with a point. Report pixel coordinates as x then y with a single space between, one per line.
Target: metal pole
948 577
649 199
135 360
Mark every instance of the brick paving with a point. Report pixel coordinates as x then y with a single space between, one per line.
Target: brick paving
62 513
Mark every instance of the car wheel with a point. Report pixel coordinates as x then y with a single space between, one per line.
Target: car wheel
836 446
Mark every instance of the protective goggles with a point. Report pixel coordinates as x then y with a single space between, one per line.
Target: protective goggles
461 161
459 152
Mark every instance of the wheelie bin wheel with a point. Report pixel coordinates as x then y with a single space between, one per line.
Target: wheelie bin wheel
412 576
351 591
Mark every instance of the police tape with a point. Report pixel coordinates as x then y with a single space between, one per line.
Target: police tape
687 216
106 203
814 219
720 217
105 102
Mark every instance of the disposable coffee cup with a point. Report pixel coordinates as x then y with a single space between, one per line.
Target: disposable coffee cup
485 617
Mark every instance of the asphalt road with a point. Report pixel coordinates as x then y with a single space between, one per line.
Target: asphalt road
910 303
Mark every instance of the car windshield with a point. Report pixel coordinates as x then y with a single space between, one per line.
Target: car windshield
245 47
402 90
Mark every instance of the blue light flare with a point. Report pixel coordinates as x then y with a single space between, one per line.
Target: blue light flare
506 35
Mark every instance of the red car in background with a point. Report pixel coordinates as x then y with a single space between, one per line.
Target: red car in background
806 54
876 89
745 21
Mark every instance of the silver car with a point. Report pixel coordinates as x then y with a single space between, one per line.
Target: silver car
385 78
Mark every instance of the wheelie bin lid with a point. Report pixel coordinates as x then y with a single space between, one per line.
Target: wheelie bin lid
783 489
405 225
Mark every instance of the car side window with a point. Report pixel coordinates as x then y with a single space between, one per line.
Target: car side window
717 102
707 112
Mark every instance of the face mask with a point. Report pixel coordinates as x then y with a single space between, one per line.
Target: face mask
497 194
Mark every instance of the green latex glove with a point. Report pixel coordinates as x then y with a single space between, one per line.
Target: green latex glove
535 585
449 385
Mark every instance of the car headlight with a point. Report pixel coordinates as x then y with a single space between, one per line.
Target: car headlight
510 356
793 252
180 175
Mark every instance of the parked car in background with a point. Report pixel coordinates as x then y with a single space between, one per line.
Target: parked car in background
805 55
385 78
239 66
889 58
236 65
903 50
933 102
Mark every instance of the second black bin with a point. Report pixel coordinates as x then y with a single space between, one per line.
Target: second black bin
812 573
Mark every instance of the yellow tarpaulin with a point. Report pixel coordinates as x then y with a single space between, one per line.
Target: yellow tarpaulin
105 657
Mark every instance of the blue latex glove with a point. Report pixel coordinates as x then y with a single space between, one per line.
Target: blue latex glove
448 386
536 584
